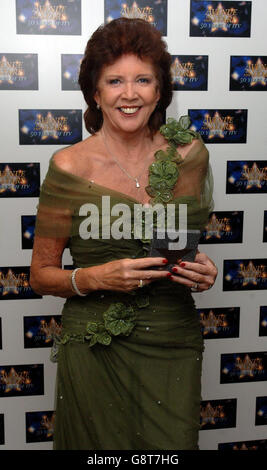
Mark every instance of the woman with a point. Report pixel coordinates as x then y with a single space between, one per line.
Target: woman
129 360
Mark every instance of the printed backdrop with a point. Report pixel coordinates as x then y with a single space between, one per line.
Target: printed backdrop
220 79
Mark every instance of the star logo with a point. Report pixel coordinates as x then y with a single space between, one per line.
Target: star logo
254 176
250 274
10 179
50 126
220 18
48 424
212 323
50 330
10 70
135 11
49 15
181 71
218 125
257 72
14 380
216 227
248 366
210 414
11 283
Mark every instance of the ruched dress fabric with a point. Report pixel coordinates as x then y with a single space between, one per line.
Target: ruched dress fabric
140 390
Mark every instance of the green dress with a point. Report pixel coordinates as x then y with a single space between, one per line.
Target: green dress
129 364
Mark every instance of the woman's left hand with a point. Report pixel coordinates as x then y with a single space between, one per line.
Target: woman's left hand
199 275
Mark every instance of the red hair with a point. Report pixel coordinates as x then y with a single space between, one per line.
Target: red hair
107 44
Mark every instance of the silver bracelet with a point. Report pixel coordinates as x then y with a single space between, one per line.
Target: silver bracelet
73 283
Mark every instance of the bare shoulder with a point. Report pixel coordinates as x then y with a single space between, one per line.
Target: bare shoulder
70 158
63 159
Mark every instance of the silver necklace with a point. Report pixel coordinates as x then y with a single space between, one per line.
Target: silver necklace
134 178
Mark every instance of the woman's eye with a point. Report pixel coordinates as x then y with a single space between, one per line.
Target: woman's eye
114 81
117 81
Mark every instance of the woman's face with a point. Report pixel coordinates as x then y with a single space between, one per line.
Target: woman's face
127 92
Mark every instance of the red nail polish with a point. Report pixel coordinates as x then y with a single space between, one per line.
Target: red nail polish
182 265
169 274
165 261
174 270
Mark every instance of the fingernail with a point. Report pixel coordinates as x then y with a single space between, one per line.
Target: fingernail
174 270
182 264
169 274
165 261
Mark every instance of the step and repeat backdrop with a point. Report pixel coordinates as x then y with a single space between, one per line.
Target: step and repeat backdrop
220 79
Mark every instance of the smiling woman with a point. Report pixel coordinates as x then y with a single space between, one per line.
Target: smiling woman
108 44
130 352
127 93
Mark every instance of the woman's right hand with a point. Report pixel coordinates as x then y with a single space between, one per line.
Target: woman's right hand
48 278
121 275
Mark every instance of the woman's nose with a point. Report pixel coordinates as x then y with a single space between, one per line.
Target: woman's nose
129 90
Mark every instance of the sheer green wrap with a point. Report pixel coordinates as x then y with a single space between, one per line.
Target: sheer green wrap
129 364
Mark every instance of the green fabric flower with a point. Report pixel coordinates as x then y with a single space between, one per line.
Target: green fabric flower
163 175
55 349
65 338
159 196
97 333
119 319
170 154
178 132
164 172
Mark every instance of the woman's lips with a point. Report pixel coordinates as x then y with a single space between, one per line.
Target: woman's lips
129 111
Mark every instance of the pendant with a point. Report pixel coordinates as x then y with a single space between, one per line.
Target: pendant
137 183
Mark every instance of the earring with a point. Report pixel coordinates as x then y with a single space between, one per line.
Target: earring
98 106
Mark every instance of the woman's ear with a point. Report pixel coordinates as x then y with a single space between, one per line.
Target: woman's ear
96 98
158 94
